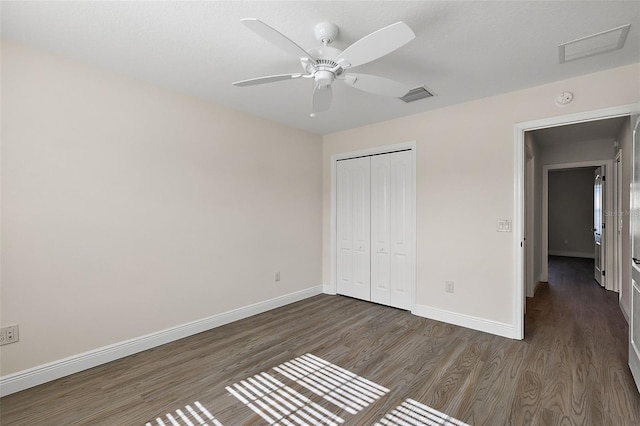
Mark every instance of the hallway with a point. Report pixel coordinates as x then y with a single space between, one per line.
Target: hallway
577 362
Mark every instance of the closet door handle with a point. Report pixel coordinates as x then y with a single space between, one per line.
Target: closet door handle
636 260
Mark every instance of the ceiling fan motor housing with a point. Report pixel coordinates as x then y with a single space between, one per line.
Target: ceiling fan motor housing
326 32
323 55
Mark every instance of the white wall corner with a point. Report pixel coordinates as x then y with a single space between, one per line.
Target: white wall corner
45 373
468 321
329 289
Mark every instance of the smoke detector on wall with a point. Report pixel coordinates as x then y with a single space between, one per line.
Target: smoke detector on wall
564 98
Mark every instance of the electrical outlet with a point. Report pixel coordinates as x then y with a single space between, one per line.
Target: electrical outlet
504 225
448 286
9 334
277 276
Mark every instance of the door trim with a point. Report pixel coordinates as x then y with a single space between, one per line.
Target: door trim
618 194
518 194
411 146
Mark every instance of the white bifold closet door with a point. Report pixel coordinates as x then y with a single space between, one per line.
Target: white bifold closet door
353 227
383 257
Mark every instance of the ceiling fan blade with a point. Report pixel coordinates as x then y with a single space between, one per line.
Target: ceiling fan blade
276 37
268 79
376 45
322 97
377 85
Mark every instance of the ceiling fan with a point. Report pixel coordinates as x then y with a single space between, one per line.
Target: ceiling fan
325 64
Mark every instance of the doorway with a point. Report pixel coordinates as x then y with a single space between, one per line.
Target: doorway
580 239
522 250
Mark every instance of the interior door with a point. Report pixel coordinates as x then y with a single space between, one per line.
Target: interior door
598 226
634 325
353 228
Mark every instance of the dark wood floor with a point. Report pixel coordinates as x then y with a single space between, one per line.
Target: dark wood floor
570 369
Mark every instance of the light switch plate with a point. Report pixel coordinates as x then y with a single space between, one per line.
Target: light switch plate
504 225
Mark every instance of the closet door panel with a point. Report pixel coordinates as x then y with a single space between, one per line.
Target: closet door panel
401 237
353 228
344 260
380 221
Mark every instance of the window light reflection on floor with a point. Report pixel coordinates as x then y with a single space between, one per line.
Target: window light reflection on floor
188 416
413 413
277 403
341 387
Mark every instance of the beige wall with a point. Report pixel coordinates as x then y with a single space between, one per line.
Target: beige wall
128 209
465 174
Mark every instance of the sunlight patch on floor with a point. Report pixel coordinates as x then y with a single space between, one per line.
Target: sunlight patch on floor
189 416
276 402
341 387
413 413
279 404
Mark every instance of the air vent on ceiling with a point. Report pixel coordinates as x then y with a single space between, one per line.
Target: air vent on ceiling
416 94
594 44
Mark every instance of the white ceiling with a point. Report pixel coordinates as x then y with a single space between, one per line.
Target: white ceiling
463 50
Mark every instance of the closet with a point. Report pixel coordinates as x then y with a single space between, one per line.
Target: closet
374 221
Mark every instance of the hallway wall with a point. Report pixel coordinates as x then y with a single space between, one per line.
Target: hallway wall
571 212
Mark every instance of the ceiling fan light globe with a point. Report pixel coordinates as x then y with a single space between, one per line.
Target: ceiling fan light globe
324 78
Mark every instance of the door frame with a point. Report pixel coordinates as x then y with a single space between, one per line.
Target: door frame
530 281
410 146
607 166
519 193
618 194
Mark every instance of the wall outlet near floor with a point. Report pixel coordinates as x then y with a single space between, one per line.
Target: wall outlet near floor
277 276
9 334
448 286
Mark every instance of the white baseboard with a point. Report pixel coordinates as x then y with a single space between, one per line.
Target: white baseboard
54 370
571 254
468 321
624 310
537 286
327 289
